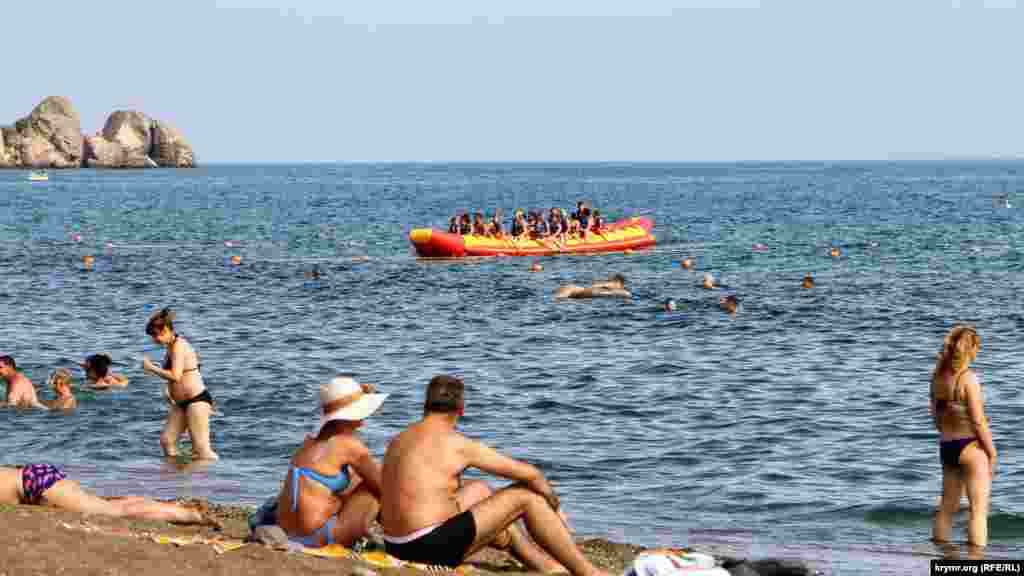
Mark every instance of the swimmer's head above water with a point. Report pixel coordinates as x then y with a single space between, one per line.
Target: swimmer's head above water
729 303
808 281
709 281
536 267
670 305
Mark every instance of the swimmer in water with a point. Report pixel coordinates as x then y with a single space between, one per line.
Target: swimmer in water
97 371
87 262
808 281
314 274
835 252
236 260
687 263
62 384
670 305
614 287
20 390
729 303
536 267
709 282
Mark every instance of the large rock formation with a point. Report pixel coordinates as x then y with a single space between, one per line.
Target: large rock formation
133 140
51 137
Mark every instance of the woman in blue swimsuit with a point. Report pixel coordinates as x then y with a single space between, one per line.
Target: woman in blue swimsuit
965 449
331 493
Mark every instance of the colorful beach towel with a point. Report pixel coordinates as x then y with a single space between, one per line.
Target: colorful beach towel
381 559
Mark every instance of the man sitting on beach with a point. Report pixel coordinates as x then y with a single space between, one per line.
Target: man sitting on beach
20 390
430 516
614 287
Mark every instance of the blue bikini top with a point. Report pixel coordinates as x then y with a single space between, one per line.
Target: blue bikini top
335 484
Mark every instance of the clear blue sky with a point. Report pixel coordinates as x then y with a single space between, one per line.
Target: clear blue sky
252 80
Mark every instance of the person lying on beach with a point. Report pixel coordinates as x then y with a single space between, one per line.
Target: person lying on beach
46 485
432 516
614 287
97 371
331 493
966 450
62 384
20 390
191 403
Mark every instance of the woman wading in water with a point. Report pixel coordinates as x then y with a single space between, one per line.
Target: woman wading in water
191 403
966 450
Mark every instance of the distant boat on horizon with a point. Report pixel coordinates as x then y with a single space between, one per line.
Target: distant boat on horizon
38 176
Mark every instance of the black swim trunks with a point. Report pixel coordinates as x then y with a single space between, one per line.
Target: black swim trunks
445 545
203 396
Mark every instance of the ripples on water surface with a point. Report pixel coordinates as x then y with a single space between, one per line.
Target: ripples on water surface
798 427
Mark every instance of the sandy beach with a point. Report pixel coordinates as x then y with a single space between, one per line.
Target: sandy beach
49 541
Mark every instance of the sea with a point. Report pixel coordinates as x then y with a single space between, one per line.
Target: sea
798 428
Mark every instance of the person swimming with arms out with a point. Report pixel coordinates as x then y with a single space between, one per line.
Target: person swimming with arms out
966 450
21 393
614 287
331 493
62 384
97 372
190 401
46 485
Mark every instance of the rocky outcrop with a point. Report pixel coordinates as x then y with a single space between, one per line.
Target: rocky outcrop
131 139
51 137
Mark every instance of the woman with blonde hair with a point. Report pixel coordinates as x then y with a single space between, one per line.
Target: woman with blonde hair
966 450
62 385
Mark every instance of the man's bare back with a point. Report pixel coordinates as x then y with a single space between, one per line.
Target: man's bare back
424 463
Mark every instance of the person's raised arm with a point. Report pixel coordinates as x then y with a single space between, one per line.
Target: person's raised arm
976 411
490 460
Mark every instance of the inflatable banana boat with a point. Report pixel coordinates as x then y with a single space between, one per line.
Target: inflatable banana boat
629 234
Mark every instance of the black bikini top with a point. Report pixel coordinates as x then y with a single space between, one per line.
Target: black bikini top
167 359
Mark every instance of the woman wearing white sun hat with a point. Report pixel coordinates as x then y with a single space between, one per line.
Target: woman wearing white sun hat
331 493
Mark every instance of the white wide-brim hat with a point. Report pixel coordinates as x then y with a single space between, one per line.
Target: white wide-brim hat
344 399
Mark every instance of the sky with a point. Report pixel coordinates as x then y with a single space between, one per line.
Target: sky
536 80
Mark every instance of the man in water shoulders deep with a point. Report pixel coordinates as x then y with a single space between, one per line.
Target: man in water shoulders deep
20 390
431 516
614 287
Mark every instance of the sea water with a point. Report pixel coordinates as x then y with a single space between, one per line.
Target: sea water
798 427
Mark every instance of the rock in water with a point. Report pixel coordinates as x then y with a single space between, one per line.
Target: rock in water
170 149
49 137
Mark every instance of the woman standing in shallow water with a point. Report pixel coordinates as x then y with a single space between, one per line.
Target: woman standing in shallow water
191 403
966 450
